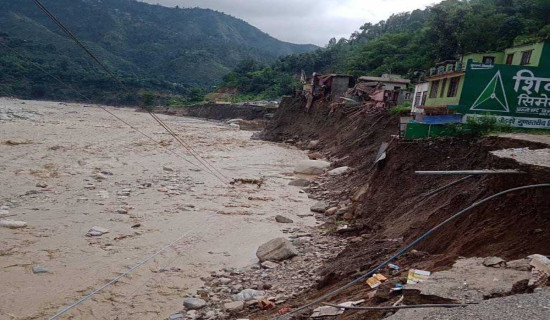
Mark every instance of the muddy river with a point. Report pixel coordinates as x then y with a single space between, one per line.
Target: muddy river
66 168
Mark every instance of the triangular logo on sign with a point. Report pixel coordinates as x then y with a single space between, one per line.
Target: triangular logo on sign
493 97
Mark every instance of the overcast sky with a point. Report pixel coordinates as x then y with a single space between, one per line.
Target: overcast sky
305 21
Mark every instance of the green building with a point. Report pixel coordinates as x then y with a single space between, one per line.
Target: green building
513 85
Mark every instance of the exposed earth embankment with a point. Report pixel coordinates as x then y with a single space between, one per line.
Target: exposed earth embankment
385 206
218 111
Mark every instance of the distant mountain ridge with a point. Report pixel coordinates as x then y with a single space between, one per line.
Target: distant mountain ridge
150 45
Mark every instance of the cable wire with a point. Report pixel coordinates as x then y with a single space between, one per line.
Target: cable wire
117 79
408 247
99 106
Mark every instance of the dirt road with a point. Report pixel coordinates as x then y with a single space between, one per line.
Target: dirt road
66 168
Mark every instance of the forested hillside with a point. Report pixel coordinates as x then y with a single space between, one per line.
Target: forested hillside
162 49
405 43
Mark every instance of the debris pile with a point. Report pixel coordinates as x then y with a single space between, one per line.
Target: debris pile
270 284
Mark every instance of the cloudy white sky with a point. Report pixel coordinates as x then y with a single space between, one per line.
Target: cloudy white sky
305 21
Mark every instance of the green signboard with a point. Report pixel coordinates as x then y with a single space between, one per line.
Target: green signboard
518 95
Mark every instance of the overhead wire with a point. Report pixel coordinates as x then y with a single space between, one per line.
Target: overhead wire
406 248
195 154
98 106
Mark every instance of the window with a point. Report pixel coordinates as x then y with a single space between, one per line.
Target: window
435 87
509 58
488 60
526 57
453 87
424 95
443 88
417 98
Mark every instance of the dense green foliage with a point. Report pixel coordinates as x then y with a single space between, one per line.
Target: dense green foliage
150 47
408 43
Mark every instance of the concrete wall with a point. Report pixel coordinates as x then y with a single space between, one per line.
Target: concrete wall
339 87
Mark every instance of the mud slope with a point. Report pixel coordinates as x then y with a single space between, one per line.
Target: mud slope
389 209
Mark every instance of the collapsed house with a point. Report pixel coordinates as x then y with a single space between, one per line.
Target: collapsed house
370 93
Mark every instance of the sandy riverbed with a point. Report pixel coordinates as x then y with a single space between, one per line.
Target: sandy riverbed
52 156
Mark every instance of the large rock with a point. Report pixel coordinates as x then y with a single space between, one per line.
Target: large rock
338 171
233 306
277 249
494 262
283 219
312 167
299 183
313 144
12 224
193 303
247 295
315 156
320 207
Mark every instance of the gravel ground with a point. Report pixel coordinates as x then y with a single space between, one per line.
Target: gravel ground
533 306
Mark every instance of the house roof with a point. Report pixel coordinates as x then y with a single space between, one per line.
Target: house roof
384 79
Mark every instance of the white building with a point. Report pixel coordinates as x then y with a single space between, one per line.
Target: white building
419 98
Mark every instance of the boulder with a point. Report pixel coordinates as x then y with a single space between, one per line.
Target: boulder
97 231
177 316
315 156
311 167
282 219
12 224
338 171
313 144
269 265
331 211
247 295
233 306
277 249
520 264
299 183
320 207
193 303
237 121
494 262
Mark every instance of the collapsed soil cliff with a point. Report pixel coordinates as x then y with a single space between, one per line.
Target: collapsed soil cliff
218 111
387 206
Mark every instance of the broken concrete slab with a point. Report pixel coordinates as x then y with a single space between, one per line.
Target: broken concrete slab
469 281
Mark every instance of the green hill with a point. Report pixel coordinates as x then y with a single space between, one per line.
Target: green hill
151 47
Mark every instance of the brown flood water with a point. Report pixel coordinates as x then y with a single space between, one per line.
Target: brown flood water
62 147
